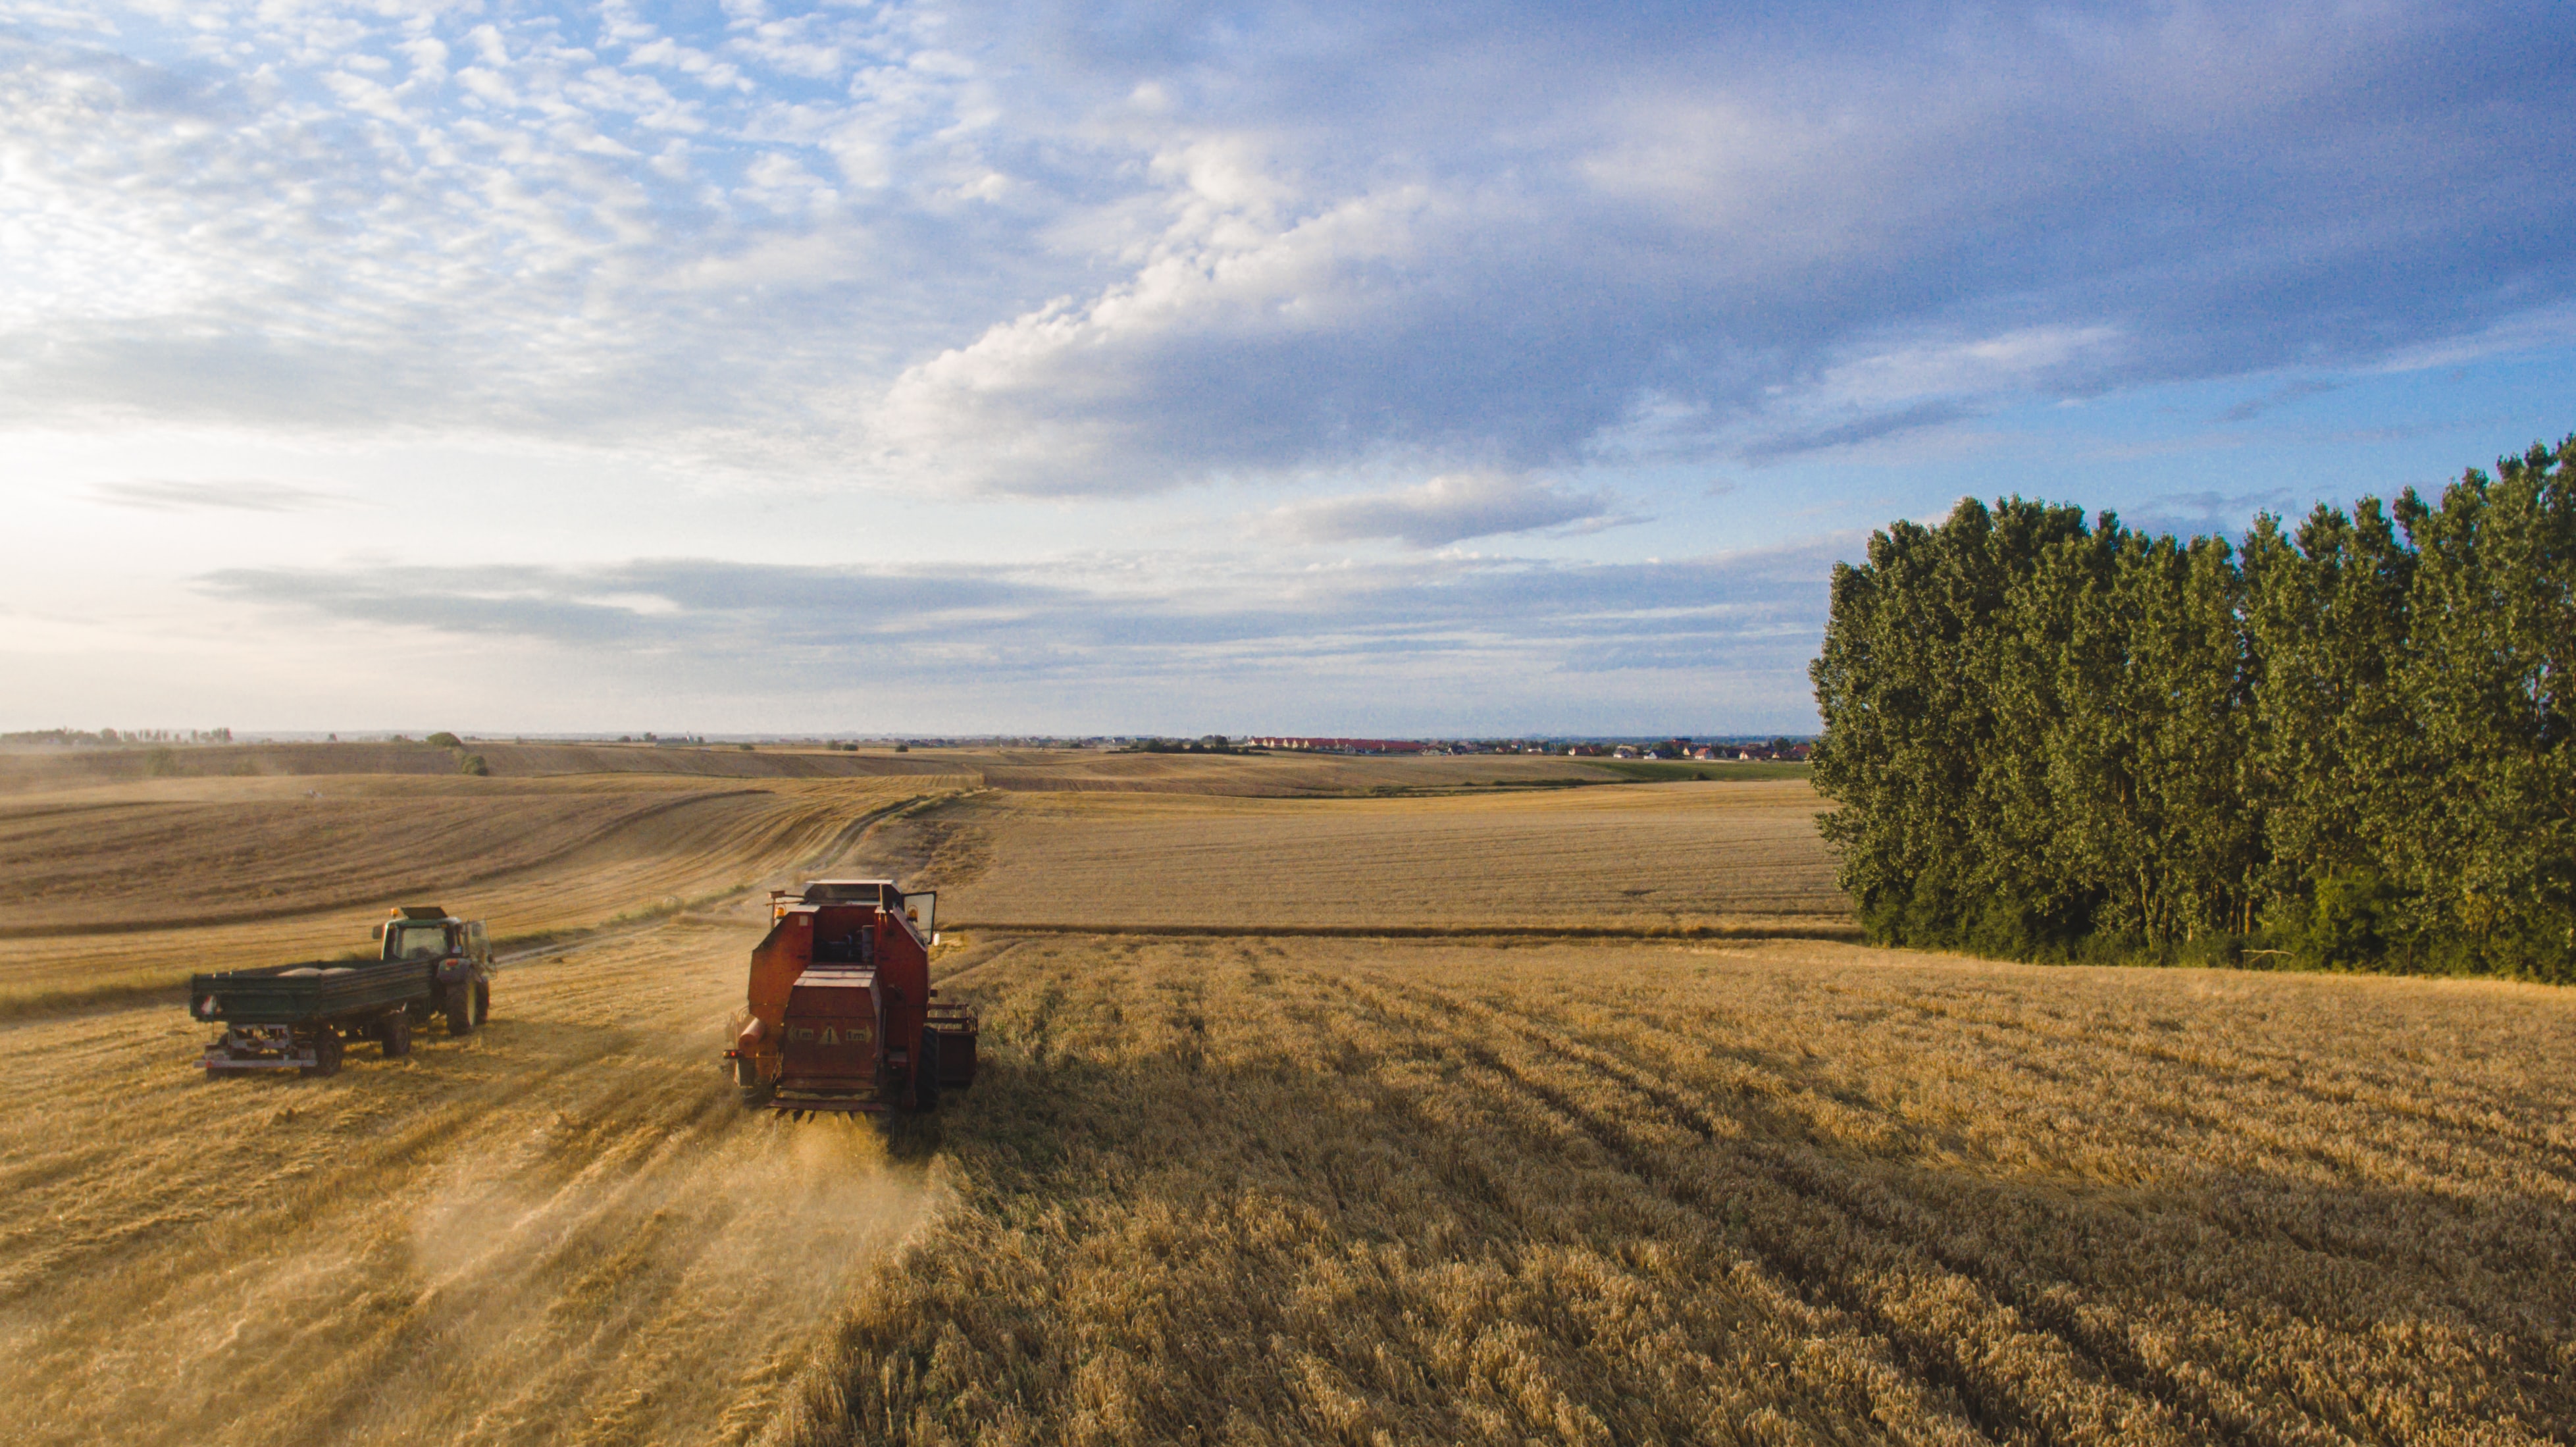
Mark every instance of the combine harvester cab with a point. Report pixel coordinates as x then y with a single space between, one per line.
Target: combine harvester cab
841 1014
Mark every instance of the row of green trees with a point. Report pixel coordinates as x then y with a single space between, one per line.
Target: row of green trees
2344 744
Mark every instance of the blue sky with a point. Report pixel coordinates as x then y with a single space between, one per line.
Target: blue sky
1172 367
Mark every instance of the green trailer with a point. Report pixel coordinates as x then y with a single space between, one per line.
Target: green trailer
301 1017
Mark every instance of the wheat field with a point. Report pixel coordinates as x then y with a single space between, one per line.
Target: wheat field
1045 770
1683 856
1406 1191
558 1229
1419 1181
110 892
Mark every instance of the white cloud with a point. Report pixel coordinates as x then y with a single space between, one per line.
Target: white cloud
1079 396
240 495
954 257
1448 509
957 645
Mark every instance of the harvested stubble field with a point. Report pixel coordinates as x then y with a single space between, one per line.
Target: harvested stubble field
1644 857
1284 774
1327 1190
1293 1189
558 1229
128 888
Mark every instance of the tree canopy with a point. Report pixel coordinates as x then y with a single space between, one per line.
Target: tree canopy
2344 743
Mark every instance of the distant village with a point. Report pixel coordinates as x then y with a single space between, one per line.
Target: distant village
1727 750
1710 750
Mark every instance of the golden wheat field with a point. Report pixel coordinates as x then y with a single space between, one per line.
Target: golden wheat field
130 887
1230 1184
1679 856
1040 769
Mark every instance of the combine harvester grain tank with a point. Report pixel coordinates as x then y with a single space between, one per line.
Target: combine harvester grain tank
840 1017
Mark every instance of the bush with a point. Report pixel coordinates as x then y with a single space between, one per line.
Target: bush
473 764
446 740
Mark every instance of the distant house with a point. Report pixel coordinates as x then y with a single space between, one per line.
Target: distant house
1341 746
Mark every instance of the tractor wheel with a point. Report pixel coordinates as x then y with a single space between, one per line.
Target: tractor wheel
925 1075
460 1009
395 1031
482 1002
326 1054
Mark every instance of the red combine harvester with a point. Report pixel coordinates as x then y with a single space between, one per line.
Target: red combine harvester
842 1016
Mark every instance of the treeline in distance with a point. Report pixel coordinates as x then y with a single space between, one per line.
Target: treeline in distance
2343 744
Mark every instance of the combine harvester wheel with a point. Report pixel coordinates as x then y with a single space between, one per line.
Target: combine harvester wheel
925 1075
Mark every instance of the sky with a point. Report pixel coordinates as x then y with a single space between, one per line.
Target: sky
1159 367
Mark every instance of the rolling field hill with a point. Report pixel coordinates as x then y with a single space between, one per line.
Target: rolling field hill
1418 1183
132 887
1258 775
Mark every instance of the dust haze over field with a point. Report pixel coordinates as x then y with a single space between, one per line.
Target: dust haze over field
554 1228
1709 1175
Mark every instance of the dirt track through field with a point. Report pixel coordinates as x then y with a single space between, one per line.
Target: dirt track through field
561 1228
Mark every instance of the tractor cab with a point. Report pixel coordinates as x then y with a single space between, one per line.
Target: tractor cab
428 932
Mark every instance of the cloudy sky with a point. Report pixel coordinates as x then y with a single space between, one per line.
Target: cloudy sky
1159 366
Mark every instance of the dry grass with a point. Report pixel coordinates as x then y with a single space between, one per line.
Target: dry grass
1401 1192
1642 857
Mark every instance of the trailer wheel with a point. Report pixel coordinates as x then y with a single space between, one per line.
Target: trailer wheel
460 1009
395 1031
326 1053
925 1075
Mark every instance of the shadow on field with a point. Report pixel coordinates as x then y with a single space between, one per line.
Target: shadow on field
1235 1198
